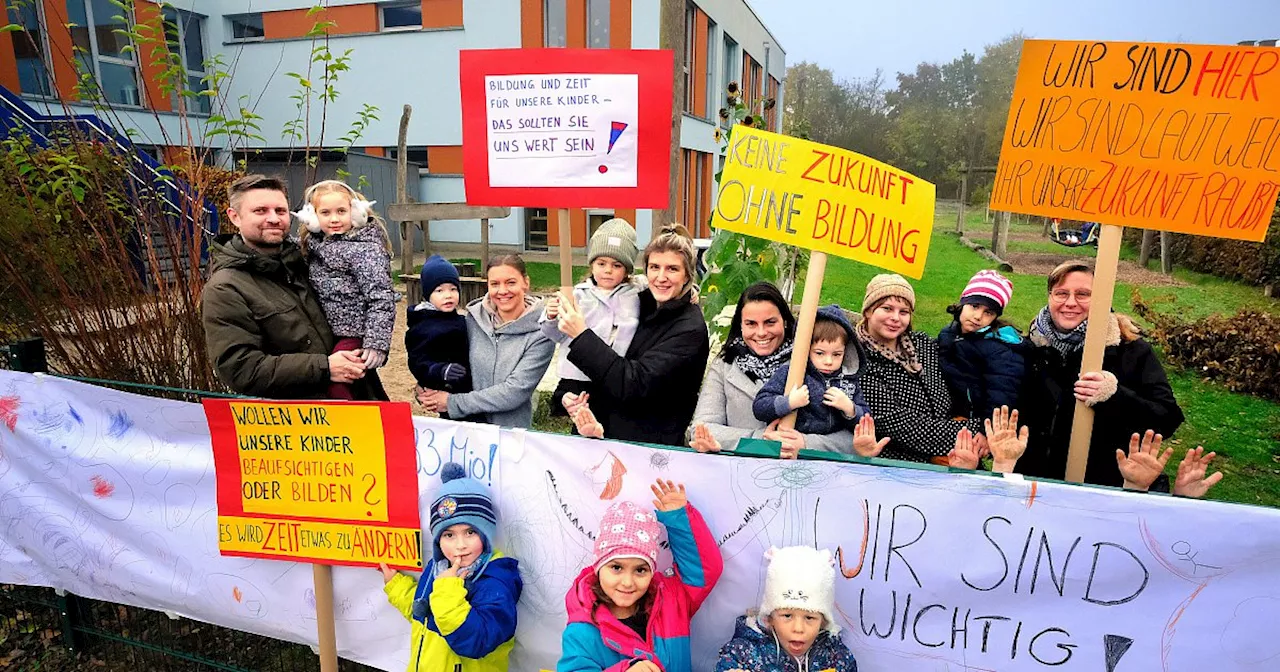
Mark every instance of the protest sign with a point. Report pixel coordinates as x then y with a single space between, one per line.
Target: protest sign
1179 138
109 495
825 199
1175 137
326 482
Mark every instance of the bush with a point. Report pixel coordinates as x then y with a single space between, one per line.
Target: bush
1248 262
1241 351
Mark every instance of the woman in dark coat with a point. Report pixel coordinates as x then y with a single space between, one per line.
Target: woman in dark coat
648 395
1129 396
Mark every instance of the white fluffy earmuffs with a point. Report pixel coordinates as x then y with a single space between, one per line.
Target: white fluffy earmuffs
361 209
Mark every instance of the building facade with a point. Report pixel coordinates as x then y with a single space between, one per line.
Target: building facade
401 52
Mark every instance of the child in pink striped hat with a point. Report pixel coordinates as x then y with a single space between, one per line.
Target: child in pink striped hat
982 355
624 614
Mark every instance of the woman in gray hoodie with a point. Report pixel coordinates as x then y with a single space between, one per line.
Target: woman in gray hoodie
508 353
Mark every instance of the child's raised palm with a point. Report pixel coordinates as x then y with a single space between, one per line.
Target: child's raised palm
799 397
670 496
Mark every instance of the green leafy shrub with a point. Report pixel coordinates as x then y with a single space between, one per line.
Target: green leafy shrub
1249 262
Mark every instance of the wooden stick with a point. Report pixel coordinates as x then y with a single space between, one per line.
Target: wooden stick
1095 345
484 242
322 576
566 251
402 191
804 329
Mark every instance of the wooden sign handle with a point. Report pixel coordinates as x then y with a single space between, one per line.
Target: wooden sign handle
1095 345
804 329
566 251
322 576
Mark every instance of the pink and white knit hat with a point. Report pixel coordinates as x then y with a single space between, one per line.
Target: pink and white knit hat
990 285
628 531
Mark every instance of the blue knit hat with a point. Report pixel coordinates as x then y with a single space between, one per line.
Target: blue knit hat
437 271
462 500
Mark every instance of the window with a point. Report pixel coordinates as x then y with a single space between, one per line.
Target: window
103 51
598 24
712 100
184 32
556 23
246 27
729 56
595 218
690 48
535 228
401 16
413 154
29 49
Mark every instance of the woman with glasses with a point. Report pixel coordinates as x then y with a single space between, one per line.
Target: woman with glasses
1131 393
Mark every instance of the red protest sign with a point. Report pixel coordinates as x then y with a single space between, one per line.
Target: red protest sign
333 483
566 128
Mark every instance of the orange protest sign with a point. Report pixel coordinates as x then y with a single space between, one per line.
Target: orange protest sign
1182 138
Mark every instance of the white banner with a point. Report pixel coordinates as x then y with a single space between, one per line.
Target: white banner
111 495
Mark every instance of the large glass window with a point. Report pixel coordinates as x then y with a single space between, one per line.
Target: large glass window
535 229
246 27
29 48
99 31
690 57
184 32
555 19
598 24
713 100
401 16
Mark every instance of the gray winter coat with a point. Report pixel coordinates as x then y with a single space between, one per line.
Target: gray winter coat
724 405
507 363
351 273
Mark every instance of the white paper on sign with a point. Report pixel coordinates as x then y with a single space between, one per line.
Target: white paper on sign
562 130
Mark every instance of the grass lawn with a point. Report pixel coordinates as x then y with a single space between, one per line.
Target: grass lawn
543 276
1244 430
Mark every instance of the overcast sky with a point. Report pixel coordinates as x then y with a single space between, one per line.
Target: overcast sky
855 37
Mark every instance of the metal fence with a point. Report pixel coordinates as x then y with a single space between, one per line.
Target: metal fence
44 629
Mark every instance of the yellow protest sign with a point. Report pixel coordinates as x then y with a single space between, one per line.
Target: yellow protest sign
825 199
327 482
1182 138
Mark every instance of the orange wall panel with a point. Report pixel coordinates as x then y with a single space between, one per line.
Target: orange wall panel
9 63
441 13
620 30
375 151
295 22
444 159
700 64
704 217
531 32
577 227
628 214
150 23
61 49
576 20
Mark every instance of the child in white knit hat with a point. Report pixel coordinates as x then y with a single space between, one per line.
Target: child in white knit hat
795 629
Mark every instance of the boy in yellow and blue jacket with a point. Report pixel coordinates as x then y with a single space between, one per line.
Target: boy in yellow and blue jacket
463 608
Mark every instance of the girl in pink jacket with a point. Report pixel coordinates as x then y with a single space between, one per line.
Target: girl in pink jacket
624 616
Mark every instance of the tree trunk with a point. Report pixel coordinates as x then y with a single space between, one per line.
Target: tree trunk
671 36
402 191
1166 254
1000 234
1148 240
964 199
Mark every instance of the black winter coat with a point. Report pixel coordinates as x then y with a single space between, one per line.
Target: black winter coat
984 370
435 340
913 410
1142 401
650 394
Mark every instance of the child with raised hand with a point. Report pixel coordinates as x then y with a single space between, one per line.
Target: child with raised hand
349 261
830 399
794 629
609 302
980 354
463 607
436 341
624 615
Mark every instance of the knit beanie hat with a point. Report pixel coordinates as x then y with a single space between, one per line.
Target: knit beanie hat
990 289
888 284
615 239
462 500
627 531
800 577
437 271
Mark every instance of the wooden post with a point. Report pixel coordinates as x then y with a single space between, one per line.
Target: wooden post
1144 253
804 329
402 191
484 242
671 35
1166 253
1000 234
322 576
964 198
566 251
1095 344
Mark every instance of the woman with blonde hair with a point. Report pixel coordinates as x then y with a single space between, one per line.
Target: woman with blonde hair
649 393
